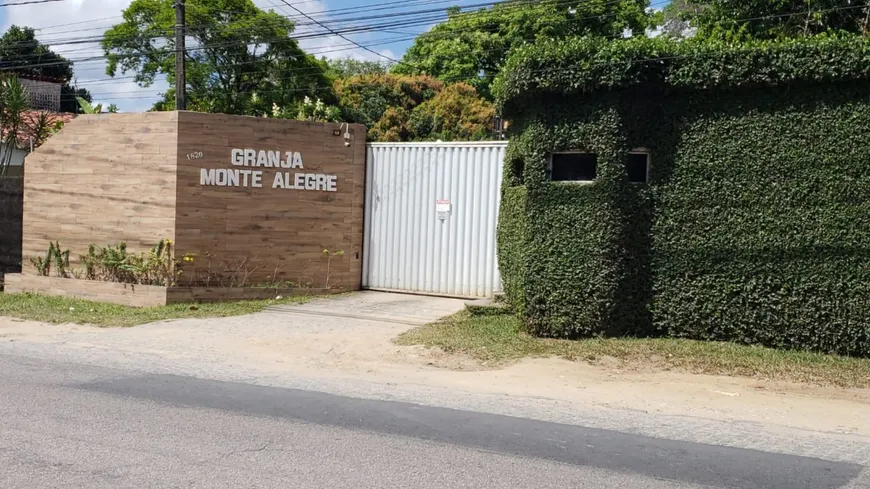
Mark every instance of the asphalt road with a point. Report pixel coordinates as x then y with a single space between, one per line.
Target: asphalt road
70 425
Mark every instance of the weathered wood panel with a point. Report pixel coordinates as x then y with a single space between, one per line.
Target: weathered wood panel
108 292
102 179
272 229
144 295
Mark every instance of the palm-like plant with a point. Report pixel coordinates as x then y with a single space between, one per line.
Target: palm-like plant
13 103
18 124
88 108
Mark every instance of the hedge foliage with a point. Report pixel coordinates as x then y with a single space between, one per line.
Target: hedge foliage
570 261
590 65
755 226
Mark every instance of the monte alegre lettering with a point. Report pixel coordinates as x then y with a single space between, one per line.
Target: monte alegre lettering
254 158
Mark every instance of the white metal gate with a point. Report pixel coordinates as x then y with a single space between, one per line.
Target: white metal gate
430 217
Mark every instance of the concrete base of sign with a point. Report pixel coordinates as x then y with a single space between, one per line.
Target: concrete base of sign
145 295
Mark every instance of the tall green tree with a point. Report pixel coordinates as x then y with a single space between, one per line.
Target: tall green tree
456 113
383 102
22 54
414 108
240 59
676 18
347 67
471 46
772 19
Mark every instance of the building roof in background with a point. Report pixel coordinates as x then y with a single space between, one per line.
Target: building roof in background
30 120
59 81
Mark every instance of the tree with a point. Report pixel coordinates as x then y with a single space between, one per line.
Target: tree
309 110
772 19
456 113
676 17
235 50
470 47
383 102
348 67
21 53
414 108
317 111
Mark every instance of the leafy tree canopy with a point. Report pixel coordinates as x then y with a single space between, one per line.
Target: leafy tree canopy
414 108
240 59
383 102
471 46
676 19
772 19
455 113
348 67
21 53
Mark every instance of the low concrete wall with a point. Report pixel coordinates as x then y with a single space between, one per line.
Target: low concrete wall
98 291
176 295
11 205
144 295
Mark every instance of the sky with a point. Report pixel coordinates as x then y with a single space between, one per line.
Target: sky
69 19
64 20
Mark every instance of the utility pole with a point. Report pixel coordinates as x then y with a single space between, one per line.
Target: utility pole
180 79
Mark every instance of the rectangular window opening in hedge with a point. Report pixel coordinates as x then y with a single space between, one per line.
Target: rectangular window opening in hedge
573 167
637 166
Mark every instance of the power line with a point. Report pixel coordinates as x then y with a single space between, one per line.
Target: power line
737 20
78 23
299 70
341 12
339 35
354 29
458 78
28 2
353 11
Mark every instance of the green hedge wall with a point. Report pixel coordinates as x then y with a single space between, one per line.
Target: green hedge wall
585 66
755 226
762 226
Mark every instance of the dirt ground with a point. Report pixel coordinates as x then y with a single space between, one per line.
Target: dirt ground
351 338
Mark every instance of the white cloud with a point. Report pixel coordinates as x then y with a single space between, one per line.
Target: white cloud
330 46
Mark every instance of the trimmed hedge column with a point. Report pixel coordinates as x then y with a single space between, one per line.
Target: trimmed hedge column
573 262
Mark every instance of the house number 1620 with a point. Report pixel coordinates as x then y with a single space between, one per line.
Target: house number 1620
194 156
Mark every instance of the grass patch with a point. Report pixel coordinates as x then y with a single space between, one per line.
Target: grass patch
501 339
56 310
